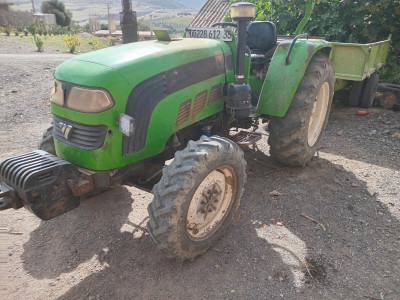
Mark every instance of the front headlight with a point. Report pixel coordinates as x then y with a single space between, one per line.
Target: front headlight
57 93
88 100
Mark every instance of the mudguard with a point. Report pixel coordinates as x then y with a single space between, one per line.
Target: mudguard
284 75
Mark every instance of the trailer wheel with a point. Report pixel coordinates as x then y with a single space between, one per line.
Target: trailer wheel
46 143
197 197
294 138
369 90
355 93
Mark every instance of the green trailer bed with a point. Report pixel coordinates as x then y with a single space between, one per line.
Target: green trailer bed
357 61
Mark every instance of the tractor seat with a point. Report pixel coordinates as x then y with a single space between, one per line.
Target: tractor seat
261 37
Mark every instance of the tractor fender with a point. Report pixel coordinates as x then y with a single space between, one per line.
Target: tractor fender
284 75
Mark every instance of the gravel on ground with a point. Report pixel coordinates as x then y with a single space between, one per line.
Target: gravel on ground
329 230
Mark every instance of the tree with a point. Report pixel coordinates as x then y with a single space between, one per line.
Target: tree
349 21
63 16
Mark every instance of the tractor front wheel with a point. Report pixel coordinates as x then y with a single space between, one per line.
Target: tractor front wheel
46 143
294 138
197 197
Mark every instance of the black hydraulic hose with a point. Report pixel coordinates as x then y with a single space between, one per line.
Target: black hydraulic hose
292 45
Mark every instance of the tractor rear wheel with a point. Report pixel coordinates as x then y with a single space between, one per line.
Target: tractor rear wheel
197 197
294 138
355 93
369 90
46 143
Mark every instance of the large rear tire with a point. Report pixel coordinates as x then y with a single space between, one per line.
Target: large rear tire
294 138
197 197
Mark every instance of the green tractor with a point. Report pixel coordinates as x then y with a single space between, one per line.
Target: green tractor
120 115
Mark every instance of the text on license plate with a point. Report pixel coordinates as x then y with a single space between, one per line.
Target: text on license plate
209 33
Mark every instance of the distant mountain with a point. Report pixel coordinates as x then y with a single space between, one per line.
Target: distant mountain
82 9
196 4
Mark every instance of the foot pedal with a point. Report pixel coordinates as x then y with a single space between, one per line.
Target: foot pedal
244 139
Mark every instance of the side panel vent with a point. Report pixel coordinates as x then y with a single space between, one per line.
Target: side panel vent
199 102
184 111
216 94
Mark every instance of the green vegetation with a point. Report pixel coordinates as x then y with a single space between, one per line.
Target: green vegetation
56 44
71 42
113 42
341 21
7 30
63 16
174 24
143 26
38 43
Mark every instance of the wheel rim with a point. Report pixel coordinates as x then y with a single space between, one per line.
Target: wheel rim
211 203
318 115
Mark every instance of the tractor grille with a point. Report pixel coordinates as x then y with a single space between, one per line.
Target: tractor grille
199 102
216 94
82 136
184 111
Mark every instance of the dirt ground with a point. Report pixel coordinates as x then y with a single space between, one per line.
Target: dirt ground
326 231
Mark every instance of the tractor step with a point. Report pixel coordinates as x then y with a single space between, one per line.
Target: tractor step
244 139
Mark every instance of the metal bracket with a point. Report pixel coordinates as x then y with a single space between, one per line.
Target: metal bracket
8 198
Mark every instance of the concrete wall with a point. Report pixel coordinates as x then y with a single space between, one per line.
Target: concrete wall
49 19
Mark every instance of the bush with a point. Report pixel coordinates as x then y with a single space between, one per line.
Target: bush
63 16
7 30
39 43
32 28
71 42
74 29
340 21
94 44
390 74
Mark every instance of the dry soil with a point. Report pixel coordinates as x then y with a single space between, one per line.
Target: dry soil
326 231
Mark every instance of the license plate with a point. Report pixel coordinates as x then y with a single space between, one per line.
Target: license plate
221 34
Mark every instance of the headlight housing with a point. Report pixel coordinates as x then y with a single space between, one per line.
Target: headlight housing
57 93
89 100
82 99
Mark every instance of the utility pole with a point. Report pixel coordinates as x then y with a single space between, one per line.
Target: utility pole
108 18
151 25
33 7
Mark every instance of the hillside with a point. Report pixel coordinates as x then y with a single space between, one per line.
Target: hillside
136 4
82 9
196 4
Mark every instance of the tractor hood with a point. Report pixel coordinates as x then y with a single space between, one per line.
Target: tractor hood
136 61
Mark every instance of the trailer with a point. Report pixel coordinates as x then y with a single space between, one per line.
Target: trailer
356 65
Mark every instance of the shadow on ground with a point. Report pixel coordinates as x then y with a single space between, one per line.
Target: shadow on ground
353 253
